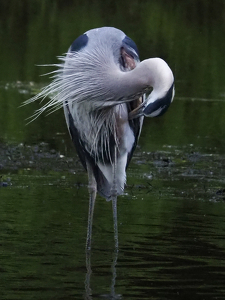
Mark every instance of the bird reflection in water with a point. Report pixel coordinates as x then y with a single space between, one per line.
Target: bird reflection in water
88 290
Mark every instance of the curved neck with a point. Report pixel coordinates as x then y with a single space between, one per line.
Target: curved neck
150 73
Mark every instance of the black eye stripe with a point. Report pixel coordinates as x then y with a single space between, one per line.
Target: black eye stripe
79 43
130 47
162 103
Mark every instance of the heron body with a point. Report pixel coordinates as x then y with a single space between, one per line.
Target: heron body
101 85
100 128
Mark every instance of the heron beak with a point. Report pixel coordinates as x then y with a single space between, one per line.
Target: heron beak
137 112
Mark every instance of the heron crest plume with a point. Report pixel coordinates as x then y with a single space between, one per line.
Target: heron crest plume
95 78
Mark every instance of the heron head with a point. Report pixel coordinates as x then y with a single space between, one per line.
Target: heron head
156 106
162 95
108 43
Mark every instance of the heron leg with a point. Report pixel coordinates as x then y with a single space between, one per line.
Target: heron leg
92 187
114 207
114 200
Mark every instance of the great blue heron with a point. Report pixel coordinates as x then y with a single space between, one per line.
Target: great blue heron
101 85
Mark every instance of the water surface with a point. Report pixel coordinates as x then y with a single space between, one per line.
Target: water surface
171 216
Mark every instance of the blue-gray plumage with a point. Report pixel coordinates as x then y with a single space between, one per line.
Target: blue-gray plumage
102 148
101 85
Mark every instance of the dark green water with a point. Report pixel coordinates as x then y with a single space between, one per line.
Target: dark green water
171 217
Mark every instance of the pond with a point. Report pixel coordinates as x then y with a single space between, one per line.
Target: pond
171 216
